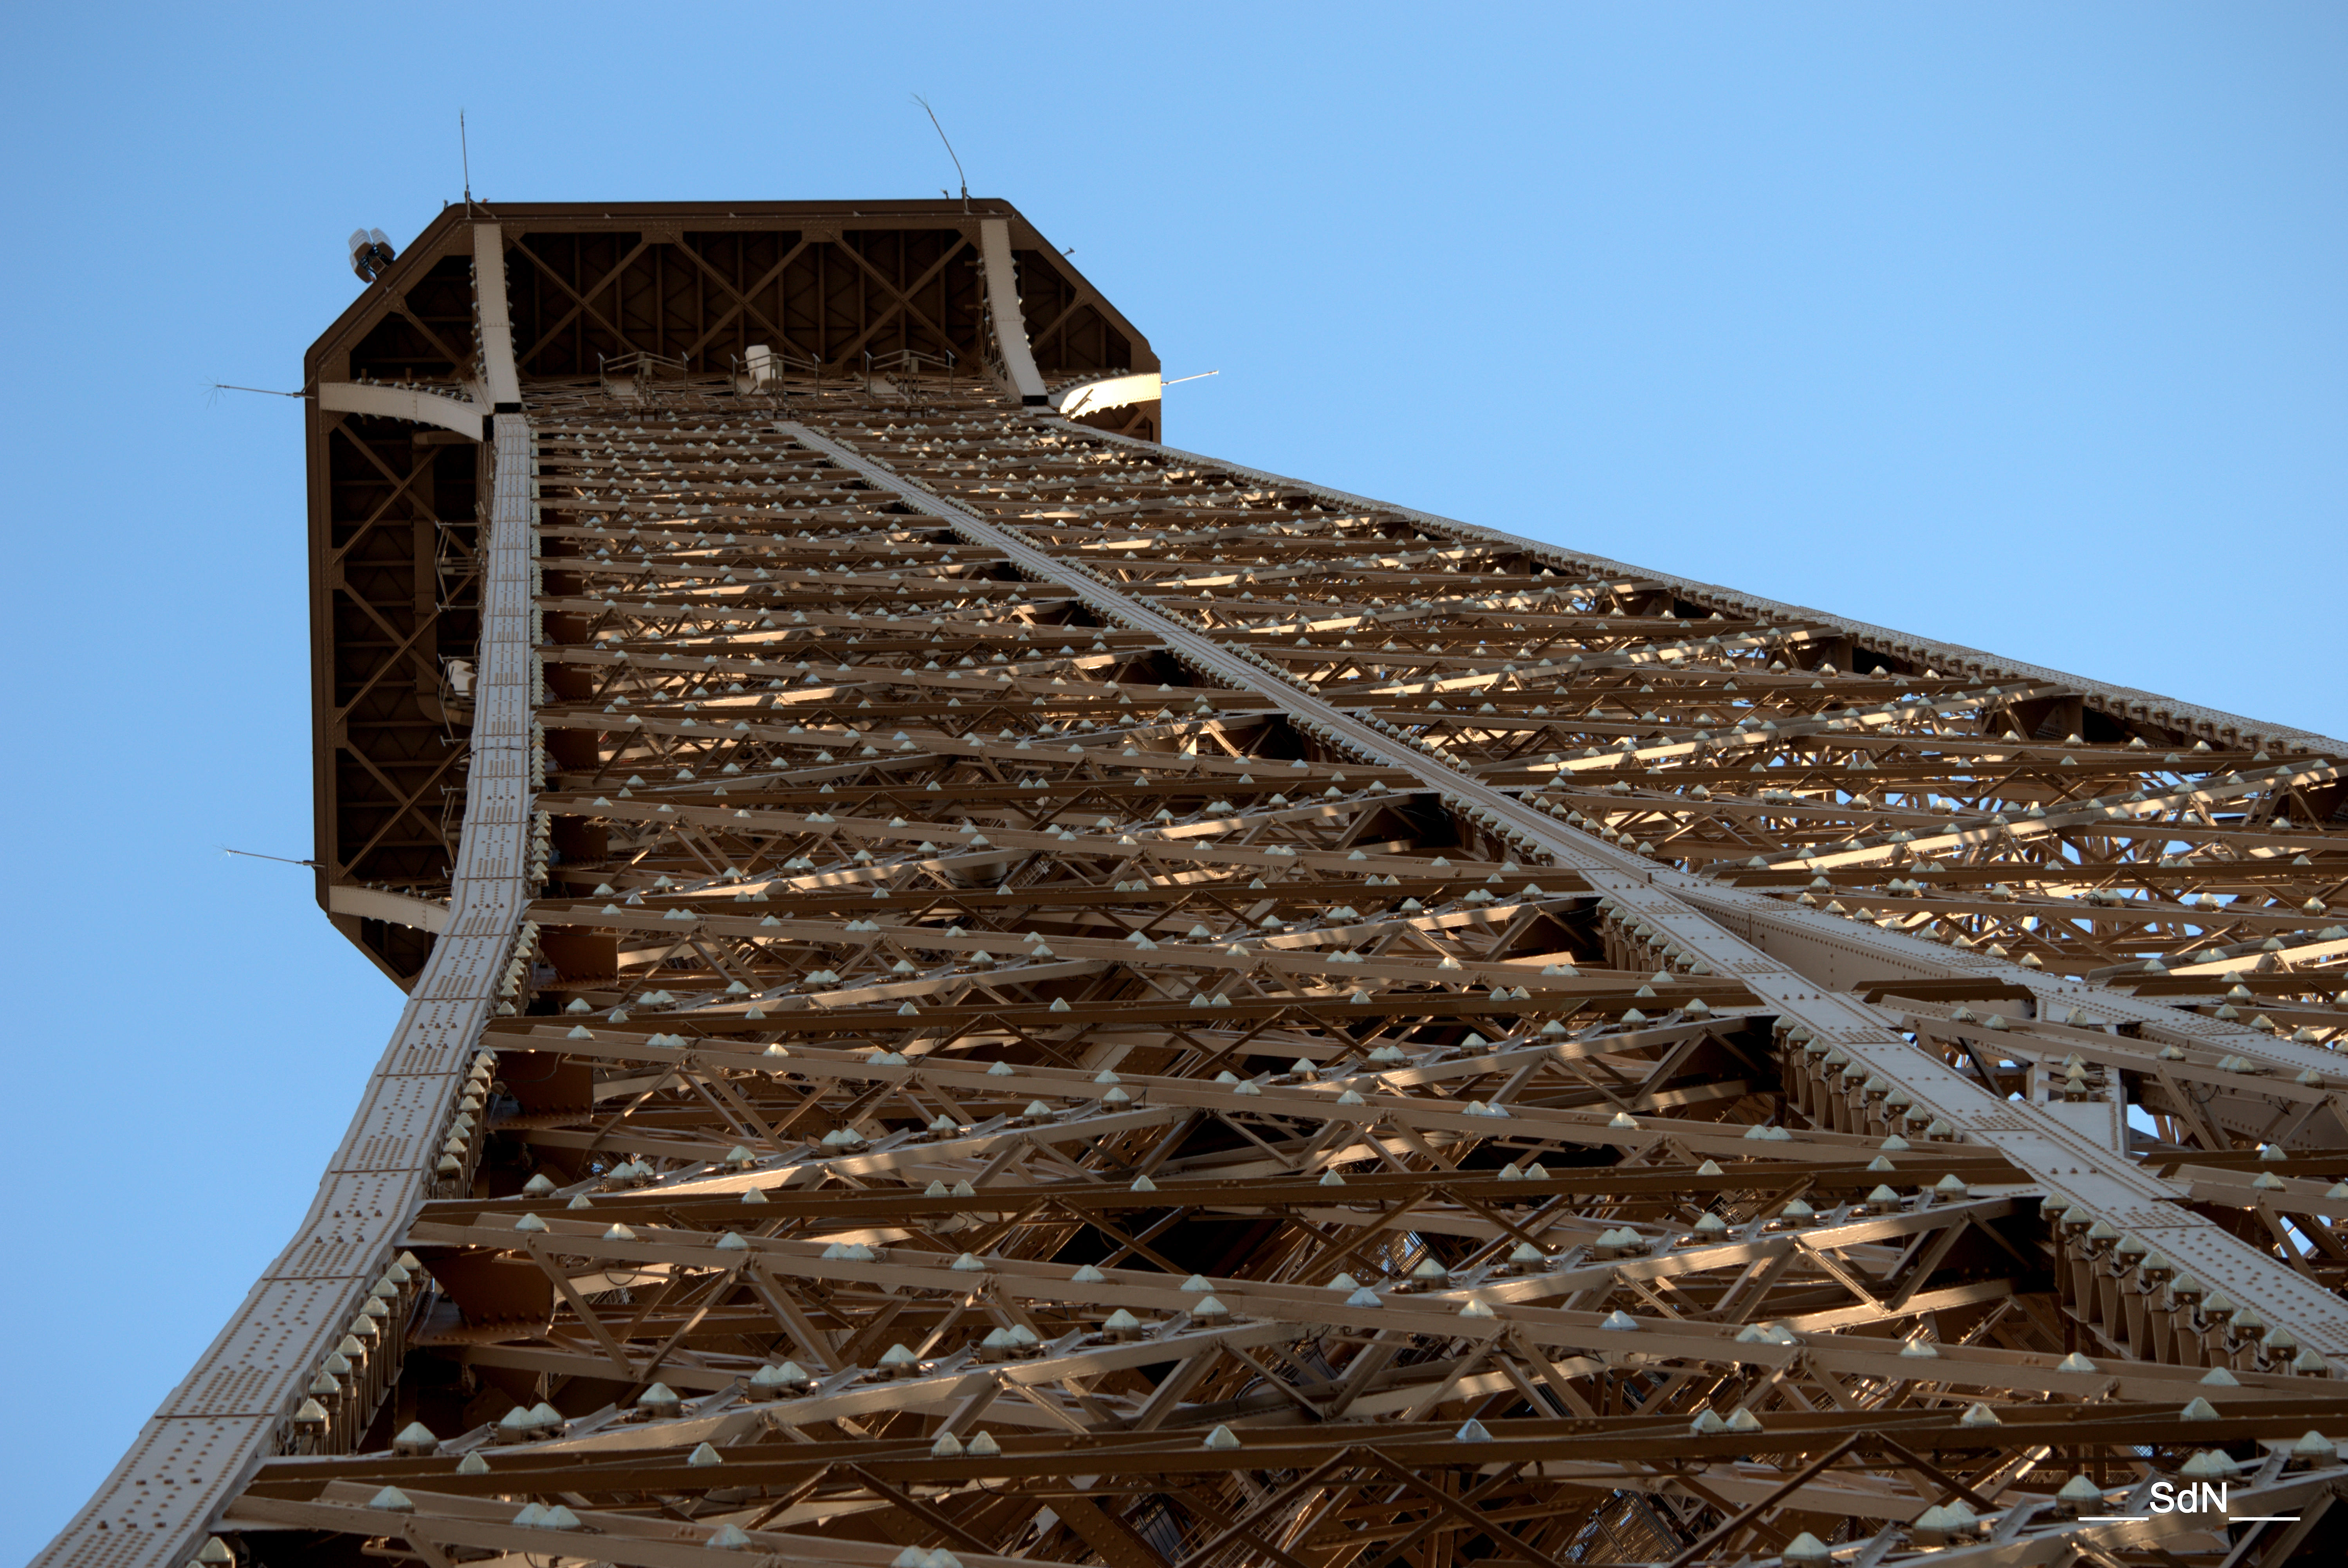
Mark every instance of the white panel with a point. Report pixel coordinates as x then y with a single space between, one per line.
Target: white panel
497 329
1003 305
402 403
375 904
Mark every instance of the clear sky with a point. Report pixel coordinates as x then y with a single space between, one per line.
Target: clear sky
2017 325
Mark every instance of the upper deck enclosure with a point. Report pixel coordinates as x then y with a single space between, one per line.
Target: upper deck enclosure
624 298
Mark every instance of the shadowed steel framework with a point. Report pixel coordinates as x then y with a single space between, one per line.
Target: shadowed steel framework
984 990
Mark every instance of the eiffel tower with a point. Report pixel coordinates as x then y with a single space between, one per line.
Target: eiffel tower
987 991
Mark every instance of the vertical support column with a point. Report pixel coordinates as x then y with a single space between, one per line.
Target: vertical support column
1003 308
500 382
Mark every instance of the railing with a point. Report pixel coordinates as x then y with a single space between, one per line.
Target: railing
629 375
901 370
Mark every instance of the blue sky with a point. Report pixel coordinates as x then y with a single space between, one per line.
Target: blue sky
2016 325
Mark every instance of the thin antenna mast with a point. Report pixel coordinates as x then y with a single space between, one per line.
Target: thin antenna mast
218 388
950 151
464 151
257 855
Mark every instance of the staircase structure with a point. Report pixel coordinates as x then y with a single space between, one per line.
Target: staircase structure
988 991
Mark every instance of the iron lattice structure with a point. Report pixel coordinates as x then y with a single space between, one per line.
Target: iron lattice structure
993 992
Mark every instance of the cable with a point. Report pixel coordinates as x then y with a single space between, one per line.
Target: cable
950 151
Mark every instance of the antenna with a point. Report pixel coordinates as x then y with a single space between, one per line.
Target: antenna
464 151
211 394
950 151
257 855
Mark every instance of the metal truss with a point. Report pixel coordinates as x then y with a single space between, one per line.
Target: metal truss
1056 1000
